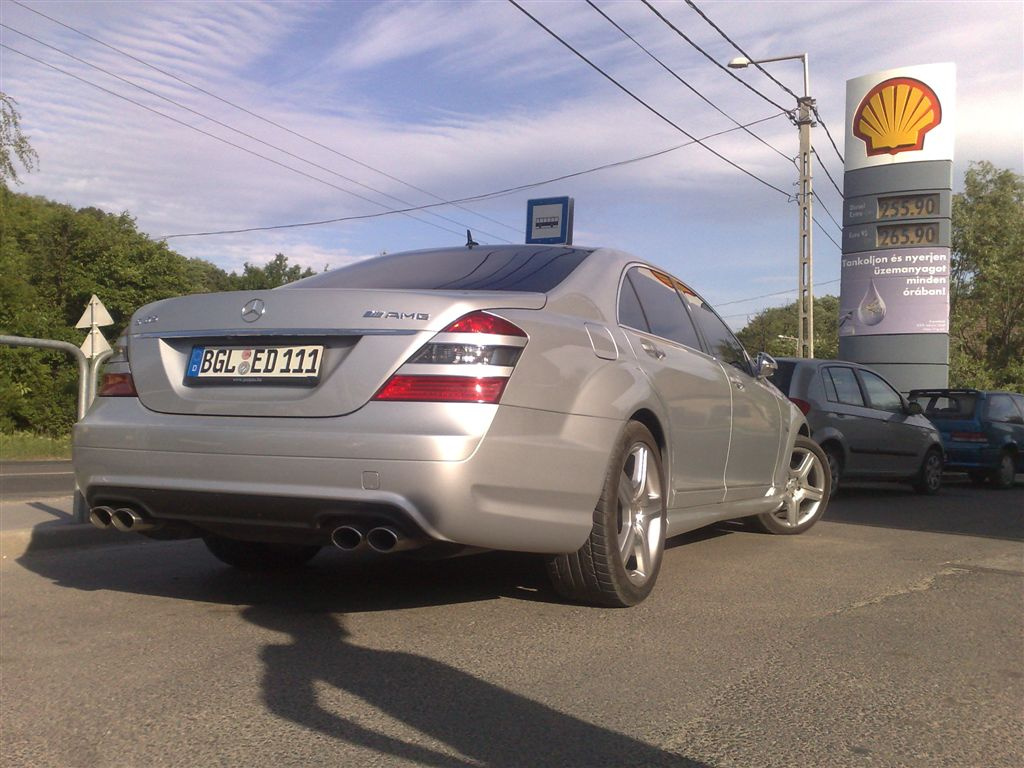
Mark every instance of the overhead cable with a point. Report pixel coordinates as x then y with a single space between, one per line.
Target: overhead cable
250 136
647 106
766 296
223 140
821 164
715 61
690 87
253 114
821 122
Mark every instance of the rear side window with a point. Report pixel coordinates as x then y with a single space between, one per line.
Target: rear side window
783 377
841 386
1001 409
880 393
503 268
959 405
660 304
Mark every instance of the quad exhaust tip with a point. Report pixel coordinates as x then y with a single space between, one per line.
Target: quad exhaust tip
347 538
123 519
101 517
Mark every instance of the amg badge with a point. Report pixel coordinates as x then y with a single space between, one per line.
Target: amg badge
378 314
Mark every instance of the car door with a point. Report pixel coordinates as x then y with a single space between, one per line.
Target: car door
754 448
898 441
691 385
848 414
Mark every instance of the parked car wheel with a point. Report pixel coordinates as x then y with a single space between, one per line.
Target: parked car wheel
929 478
806 494
835 466
1003 475
259 555
619 563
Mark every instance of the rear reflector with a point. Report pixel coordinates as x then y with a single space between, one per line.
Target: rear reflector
969 437
443 389
117 385
803 405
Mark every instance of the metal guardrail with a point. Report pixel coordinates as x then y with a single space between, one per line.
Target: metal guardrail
87 370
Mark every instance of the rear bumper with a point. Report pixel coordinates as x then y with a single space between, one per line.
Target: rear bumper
497 477
963 456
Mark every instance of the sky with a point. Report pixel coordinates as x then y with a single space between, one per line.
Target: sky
199 117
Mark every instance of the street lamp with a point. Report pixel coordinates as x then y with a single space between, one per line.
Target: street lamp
805 266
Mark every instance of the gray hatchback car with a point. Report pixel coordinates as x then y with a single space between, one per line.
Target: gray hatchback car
573 402
867 429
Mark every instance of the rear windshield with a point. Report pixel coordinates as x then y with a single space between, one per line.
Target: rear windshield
503 268
784 376
958 405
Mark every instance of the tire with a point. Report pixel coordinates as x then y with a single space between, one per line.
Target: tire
835 467
977 476
619 564
929 476
1003 475
806 495
259 555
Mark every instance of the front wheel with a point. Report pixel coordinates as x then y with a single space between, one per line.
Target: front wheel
259 555
619 563
929 477
807 491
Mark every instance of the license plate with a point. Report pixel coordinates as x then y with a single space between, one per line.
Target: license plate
225 365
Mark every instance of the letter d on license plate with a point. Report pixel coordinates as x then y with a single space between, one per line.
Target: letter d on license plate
256 365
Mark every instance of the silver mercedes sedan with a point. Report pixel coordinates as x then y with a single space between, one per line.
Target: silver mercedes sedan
577 403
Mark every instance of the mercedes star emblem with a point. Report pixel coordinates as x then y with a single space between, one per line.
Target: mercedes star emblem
253 310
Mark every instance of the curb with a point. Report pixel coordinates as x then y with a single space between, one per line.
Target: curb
49 538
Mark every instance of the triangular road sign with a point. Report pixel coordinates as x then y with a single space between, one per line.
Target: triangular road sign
95 314
95 344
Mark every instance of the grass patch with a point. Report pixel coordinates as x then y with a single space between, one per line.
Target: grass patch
23 446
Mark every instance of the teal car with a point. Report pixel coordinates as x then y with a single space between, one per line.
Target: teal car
982 432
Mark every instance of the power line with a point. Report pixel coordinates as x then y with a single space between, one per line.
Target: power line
750 58
765 296
252 138
821 122
219 138
253 114
681 80
647 106
825 232
821 204
825 169
473 198
715 61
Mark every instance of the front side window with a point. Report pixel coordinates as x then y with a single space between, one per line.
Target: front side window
880 393
661 306
1001 409
721 342
844 388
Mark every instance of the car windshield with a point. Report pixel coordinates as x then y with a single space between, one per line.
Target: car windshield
503 268
783 376
958 405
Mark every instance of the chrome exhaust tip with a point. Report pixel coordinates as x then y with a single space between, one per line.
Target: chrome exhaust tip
347 537
128 520
385 540
101 517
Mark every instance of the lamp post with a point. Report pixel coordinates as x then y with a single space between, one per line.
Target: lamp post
805 263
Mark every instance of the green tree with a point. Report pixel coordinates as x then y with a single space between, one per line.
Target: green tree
774 330
987 280
274 273
13 143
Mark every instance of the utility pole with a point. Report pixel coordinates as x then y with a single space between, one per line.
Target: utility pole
805 267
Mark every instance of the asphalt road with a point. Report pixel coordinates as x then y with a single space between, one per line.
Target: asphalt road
35 479
889 635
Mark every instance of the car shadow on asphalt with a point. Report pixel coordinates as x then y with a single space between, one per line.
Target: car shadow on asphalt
959 509
466 721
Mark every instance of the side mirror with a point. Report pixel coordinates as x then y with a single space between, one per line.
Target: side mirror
764 365
914 408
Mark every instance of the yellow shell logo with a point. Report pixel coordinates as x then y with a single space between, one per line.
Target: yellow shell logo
895 115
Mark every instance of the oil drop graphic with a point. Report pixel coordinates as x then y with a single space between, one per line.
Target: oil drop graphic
872 309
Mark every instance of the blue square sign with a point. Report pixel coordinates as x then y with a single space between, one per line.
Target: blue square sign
549 221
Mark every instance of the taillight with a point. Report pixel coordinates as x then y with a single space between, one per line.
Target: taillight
117 385
803 405
969 437
470 361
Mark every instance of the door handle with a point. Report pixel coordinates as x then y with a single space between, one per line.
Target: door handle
652 350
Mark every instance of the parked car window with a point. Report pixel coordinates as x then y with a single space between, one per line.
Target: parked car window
880 393
953 405
844 387
1002 409
783 377
630 312
1019 400
664 310
721 342
504 268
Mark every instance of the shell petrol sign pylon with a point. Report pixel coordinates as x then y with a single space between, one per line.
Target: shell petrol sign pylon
895 115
